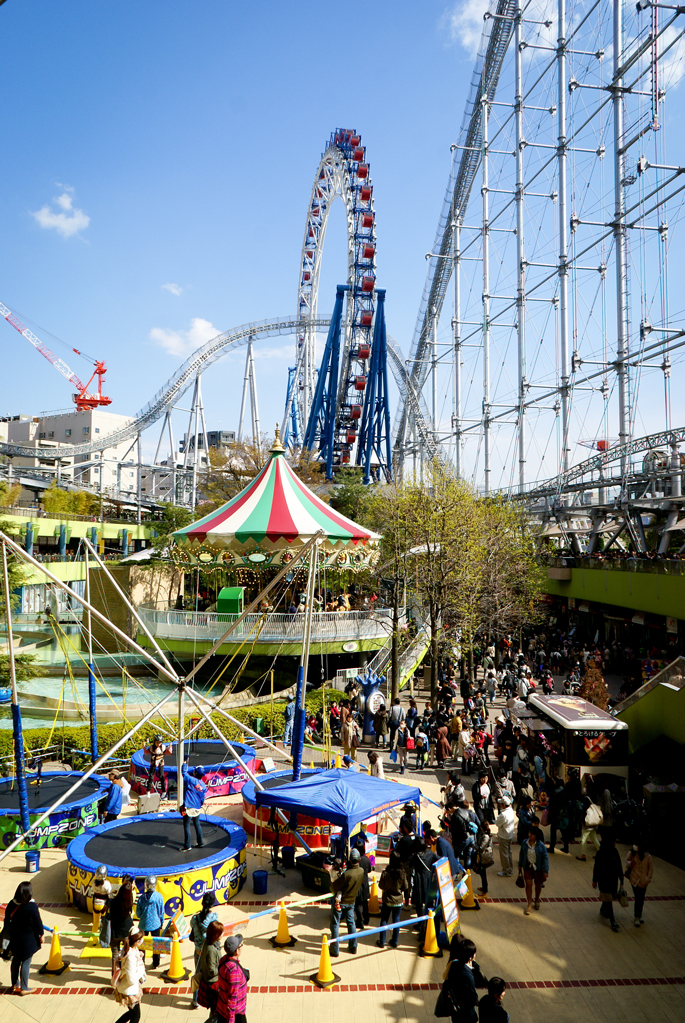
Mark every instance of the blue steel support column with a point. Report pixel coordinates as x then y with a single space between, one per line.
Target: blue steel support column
17 733
29 538
297 744
323 411
92 701
124 543
375 430
62 540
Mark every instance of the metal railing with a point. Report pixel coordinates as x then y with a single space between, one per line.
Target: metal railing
326 626
633 563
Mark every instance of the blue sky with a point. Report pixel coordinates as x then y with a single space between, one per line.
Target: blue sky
156 168
182 140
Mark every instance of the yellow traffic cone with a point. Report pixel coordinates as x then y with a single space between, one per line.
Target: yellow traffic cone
283 938
242 737
311 764
55 963
338 761
469 902
374 904
325 977
430 945
176 973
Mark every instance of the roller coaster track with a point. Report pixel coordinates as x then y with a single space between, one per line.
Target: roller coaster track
210 352
175 387
497 36
572 479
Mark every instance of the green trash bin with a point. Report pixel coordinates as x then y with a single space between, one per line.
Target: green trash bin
259 726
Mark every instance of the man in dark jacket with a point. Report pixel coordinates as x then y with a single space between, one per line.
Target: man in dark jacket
361 904
345 889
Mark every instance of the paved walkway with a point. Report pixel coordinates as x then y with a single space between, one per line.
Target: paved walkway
562 963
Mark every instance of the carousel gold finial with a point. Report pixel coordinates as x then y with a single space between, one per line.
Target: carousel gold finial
277 448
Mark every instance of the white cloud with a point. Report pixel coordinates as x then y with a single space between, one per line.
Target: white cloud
66 222
464 23
181 343
175 289
283 352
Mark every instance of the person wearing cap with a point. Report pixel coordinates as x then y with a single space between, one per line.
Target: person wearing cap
112 807
194 792
150 910
505 823
350 764
345 889
289 718
232 994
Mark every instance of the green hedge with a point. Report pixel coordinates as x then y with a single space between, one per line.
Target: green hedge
77 737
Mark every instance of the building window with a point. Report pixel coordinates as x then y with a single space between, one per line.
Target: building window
51 434
41 436
67 433
86 429
96 469
97 429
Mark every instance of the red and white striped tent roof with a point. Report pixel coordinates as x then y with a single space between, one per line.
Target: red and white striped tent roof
269 520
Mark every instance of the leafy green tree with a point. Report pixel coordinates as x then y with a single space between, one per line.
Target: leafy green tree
57 501
352 497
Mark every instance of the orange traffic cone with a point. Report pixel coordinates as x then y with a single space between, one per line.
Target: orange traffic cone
374 904
469 902
176 973
338 761
55 963
430 945
282 938
325 977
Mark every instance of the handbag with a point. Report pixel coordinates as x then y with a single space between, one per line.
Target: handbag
410 743
594 816
393 755
520 883
623 898
444 1005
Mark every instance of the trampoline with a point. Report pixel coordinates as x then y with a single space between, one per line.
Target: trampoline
316 833
153 844
66 822
222 775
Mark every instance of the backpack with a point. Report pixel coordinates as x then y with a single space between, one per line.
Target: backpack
459 829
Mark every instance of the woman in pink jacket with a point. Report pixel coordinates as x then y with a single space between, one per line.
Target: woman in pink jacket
639 870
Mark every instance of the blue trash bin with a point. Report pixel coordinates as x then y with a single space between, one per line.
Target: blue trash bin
288 856
260 881
32 862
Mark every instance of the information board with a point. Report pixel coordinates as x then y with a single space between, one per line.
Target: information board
448 897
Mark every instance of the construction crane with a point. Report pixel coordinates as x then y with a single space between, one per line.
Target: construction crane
83 399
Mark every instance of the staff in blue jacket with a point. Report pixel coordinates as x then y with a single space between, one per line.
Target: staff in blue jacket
150 909
194 792
115 796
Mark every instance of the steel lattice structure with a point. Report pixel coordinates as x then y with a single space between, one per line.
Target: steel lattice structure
556 232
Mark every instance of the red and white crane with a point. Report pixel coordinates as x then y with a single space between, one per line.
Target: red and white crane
83 399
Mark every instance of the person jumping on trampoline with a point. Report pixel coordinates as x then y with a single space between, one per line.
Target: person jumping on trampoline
194 792
157 750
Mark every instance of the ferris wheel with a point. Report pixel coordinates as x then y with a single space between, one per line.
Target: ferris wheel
343 173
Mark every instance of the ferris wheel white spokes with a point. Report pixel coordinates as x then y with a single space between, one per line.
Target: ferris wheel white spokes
342 173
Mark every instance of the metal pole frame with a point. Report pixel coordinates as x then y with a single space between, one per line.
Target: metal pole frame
563 266
486 291
620 240
16 710
91 770
520 252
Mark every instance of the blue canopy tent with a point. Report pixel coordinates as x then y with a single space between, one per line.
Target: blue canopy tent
342 797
